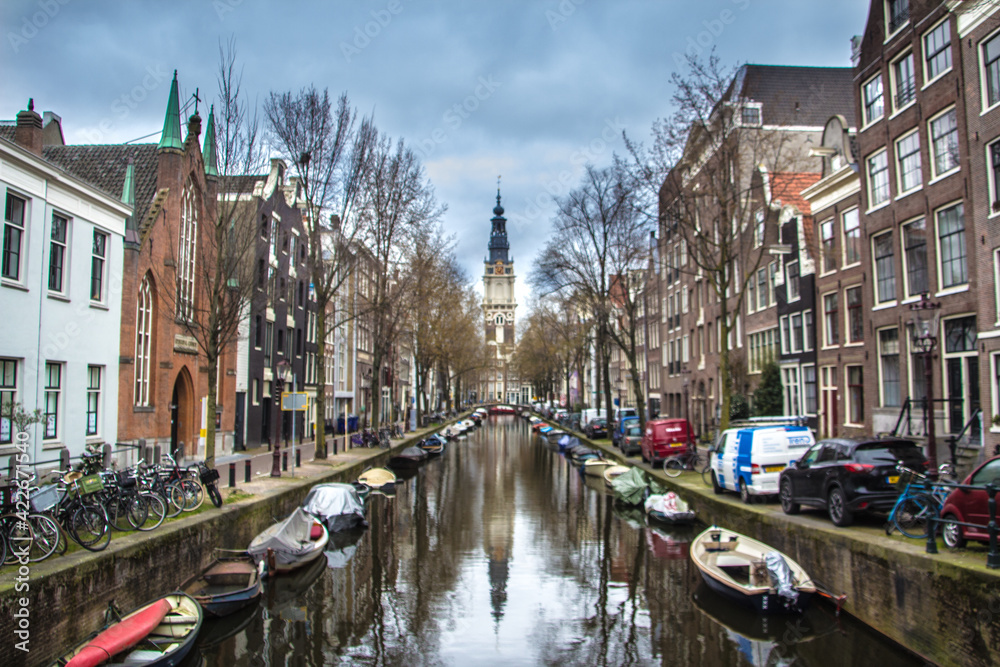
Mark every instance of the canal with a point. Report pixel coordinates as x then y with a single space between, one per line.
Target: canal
500 553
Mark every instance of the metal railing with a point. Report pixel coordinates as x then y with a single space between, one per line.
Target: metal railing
934 520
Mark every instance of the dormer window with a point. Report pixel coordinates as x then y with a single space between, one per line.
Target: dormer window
750 115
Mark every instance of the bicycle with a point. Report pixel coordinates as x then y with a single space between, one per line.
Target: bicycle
383 438
209 478
690 460
918 501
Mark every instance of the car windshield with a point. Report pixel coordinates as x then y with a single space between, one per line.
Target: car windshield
634 430
887 454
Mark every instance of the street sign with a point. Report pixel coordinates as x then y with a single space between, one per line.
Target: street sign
294 401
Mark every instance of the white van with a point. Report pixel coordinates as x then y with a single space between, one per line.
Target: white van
590 414
749 460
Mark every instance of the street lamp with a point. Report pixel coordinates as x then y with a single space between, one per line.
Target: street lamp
283 376
687 413
924 337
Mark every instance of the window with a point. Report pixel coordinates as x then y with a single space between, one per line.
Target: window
951 241
790 380
268 342
809 389
855 395
937 51
93 398
758 229
885 269
255 393
793 281
944 142
8 395
795 324
772 278
855 315
915 257
826 241
763 348
871 94
905 80
807 326
786 336
878 179
97 264
53 391
995 177
852 237
888 355
991 69
13 235
897 14
908 162
831 323
186 253
302 294
143 341
258 332
280 348
57 252
750 116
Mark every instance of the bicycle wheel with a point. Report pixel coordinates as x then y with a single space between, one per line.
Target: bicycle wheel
672 466
175 499
18 535
194 494
122 512
910 516
90 528
213 494
155 510
47 536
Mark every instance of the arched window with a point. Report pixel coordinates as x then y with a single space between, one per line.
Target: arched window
187 247
498 320
143 341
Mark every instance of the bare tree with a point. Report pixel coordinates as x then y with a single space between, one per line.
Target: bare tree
598 242
331 152
697 179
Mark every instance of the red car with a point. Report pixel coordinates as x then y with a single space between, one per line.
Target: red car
970 506
665 437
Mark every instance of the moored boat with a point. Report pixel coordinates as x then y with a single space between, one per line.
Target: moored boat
338 506
750 572
411 457
227 585
668 508
289 544
433 445
596 467
159 634
377 479
613 473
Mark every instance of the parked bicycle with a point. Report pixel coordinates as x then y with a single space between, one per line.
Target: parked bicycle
920 499
689 460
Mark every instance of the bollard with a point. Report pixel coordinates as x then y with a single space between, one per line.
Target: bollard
993 557
298 458
157 453
247 471
232 475
334 439
284 461
106 458
64 463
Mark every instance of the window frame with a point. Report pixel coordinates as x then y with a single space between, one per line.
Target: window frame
791 280
10 228
866 103
894 81
908 290
870 176
939 247
983 74
849 395
993 177
51 423
99 267
143 343
846 236
63 247
877 275
825 253
93 425
927 56
889 31
8 365
901 189
880 358
852 311
831 320
931 147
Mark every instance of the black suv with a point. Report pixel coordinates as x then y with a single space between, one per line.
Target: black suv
847 475
596 428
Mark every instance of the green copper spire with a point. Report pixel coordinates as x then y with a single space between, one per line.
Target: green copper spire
128 187
171 136
208 153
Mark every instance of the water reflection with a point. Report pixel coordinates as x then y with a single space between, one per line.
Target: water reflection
499 552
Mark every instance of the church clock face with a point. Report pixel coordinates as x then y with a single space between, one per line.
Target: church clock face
498 268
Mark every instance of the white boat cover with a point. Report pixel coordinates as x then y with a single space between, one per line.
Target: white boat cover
669 504
337 505
289 539
781 576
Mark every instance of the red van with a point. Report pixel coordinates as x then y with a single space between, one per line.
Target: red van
664 438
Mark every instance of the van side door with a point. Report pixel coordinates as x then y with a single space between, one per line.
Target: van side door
726 471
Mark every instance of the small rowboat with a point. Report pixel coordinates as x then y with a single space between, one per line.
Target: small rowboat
596 467
612 473
226 586
378 479
669 508
159 634
411 457
750 572
289 544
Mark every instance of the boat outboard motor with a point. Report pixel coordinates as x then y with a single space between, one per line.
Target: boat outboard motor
781 577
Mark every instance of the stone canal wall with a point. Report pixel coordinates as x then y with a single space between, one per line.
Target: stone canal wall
944 607
67 596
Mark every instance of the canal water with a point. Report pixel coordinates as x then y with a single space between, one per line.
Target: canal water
500 553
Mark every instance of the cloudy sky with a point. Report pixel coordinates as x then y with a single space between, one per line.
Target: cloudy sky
530 90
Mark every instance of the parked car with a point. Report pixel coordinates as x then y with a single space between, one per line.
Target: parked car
596 428
665 437
592 413
848 475
631 442
749 460
970 506
618 432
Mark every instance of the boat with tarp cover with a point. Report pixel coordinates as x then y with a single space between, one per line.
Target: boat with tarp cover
289 544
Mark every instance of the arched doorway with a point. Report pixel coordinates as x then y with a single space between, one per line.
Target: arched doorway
182 414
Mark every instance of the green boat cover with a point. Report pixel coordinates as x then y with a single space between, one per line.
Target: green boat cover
630 487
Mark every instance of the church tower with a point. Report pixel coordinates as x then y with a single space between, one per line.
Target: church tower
498 310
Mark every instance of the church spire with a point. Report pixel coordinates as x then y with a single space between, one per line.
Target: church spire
208 154
170 138
498 236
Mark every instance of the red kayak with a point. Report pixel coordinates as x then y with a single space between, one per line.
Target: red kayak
171 621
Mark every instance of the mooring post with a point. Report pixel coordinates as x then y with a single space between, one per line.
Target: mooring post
993 557
232 475
247 471
284 460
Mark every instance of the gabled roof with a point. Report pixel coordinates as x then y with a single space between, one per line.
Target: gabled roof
796 96
104 167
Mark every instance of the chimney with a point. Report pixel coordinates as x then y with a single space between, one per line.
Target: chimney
29 129
52 134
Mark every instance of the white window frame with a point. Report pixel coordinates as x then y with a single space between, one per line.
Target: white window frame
928 79
894 81
64 245
996 286
785 334
143 342
875 274
881 369
802 392
788 282
870 182
901 190
748 106
911 294
23 241
55 393
187 252
981 62
868 122
942 288
808 329
99 267
847 395
843 235
94 399
836 318
993 186
935 176
12 389
888 32
848 341
822 250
